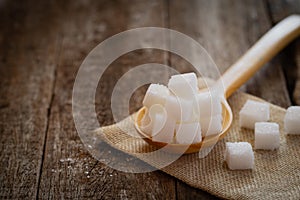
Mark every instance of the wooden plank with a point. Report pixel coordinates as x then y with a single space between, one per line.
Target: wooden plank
278 10
296 92
227 29
27 66
68 170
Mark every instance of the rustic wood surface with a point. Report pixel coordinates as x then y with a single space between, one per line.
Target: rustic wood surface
42 45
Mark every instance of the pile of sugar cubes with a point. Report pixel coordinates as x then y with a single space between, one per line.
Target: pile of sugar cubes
255 115
179 113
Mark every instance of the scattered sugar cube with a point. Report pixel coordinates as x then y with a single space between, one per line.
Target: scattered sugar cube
239 155
267 135
292 120
208 104
184 85
188 133
163 132
156 94
211 125
178 108
252 112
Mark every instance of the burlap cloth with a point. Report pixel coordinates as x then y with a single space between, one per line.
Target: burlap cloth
276 174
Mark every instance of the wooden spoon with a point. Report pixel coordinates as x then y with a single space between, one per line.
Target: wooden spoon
259 54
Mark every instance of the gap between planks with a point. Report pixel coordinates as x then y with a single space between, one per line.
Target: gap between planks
57 57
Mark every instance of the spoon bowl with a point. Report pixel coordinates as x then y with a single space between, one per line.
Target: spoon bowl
188 148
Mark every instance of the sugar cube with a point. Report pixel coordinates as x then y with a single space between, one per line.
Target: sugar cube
184 85
292 120
188 133
156 94
211 125
205 82
163 132
252 112
267 135
208 104
178 108
239 155
148 119
159 122
146 125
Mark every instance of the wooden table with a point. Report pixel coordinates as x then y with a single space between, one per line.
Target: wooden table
42 44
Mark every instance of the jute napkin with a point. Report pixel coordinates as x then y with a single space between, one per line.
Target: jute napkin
276 174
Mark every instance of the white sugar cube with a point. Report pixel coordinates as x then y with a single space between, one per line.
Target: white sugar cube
292 120
211 125
184 85
252 112
159 122
188 133
156 94
178 108
146 125
166 132
208 104
147 121
239 155
267 135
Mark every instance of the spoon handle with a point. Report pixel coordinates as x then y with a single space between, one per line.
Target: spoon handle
260 53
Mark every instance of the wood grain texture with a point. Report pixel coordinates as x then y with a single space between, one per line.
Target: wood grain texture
28 58
296 91
278 10
68 169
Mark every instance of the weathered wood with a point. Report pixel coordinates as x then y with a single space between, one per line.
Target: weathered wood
27 66
68 170
296 92
279 9
227 29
